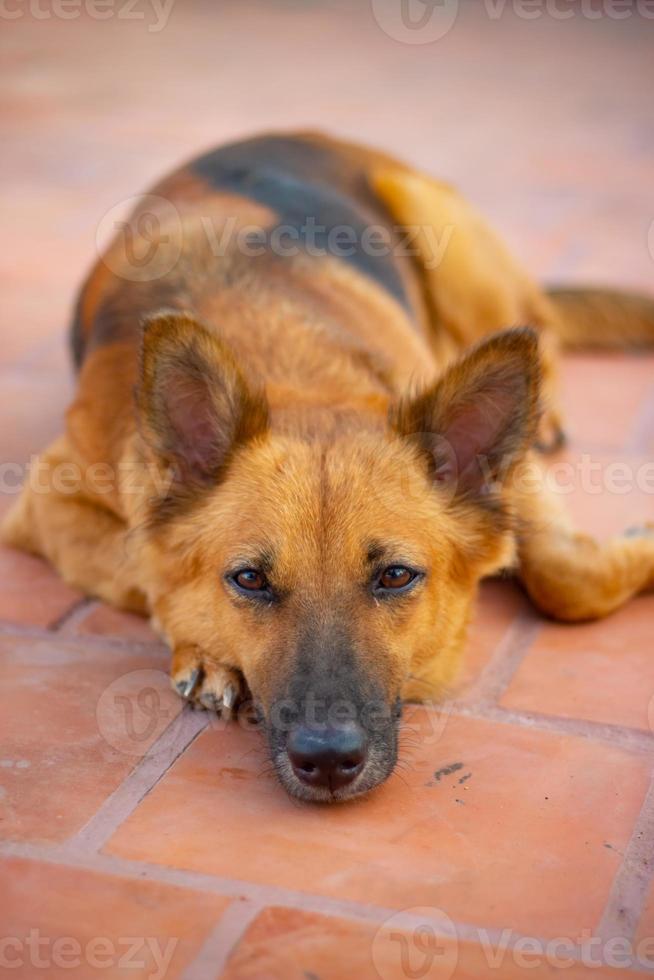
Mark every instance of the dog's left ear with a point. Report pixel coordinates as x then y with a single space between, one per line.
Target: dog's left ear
195 405
479 419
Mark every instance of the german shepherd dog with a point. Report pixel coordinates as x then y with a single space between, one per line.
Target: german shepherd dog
301 442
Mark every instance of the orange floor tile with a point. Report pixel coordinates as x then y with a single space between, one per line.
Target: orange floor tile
86 922
516 838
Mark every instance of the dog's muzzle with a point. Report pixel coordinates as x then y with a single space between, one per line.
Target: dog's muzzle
326 761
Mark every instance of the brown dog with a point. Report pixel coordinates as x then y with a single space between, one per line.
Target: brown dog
329 445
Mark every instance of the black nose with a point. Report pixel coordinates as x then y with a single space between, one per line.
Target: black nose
329 757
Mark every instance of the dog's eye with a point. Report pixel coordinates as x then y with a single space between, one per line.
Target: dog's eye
395 578
250 580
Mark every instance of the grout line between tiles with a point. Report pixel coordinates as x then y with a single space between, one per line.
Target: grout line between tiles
506 659
176 738
627 739
493 940
72 616
631 884
222 940
85 641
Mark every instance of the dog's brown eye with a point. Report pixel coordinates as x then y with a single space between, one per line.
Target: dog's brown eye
396 577
251 580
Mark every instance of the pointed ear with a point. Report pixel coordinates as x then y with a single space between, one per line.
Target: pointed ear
194 403
480 418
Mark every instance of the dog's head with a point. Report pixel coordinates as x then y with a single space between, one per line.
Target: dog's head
335 572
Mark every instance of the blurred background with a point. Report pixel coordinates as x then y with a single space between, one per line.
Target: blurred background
540 110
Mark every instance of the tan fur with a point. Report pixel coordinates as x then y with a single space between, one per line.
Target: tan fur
296 410
476 286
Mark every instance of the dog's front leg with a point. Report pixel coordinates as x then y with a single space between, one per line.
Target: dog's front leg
198 675
87 542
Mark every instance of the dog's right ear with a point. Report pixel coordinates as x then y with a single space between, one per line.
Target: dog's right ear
195 405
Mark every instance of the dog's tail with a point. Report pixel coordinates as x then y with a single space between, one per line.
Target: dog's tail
603 319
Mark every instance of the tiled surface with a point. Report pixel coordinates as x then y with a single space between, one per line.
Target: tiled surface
284 944
586 391
102 620
598 671
121 928
646 925
498 606
121 818
534 803
30 591
66 715
605 492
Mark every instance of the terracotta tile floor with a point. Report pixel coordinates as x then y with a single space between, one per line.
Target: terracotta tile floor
517 838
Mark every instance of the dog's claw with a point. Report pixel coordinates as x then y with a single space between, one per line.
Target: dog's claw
187 686
208 686
229 696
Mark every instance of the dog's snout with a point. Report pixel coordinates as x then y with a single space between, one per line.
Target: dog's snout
329 757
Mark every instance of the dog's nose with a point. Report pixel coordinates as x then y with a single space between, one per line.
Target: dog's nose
330 757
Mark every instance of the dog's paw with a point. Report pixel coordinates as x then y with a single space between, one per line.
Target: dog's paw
205 684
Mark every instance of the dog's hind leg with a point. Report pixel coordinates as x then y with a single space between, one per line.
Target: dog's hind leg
571 576
87 543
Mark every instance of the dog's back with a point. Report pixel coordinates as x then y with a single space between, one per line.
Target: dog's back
336 274
290 212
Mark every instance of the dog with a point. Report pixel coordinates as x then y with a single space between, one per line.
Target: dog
313 388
